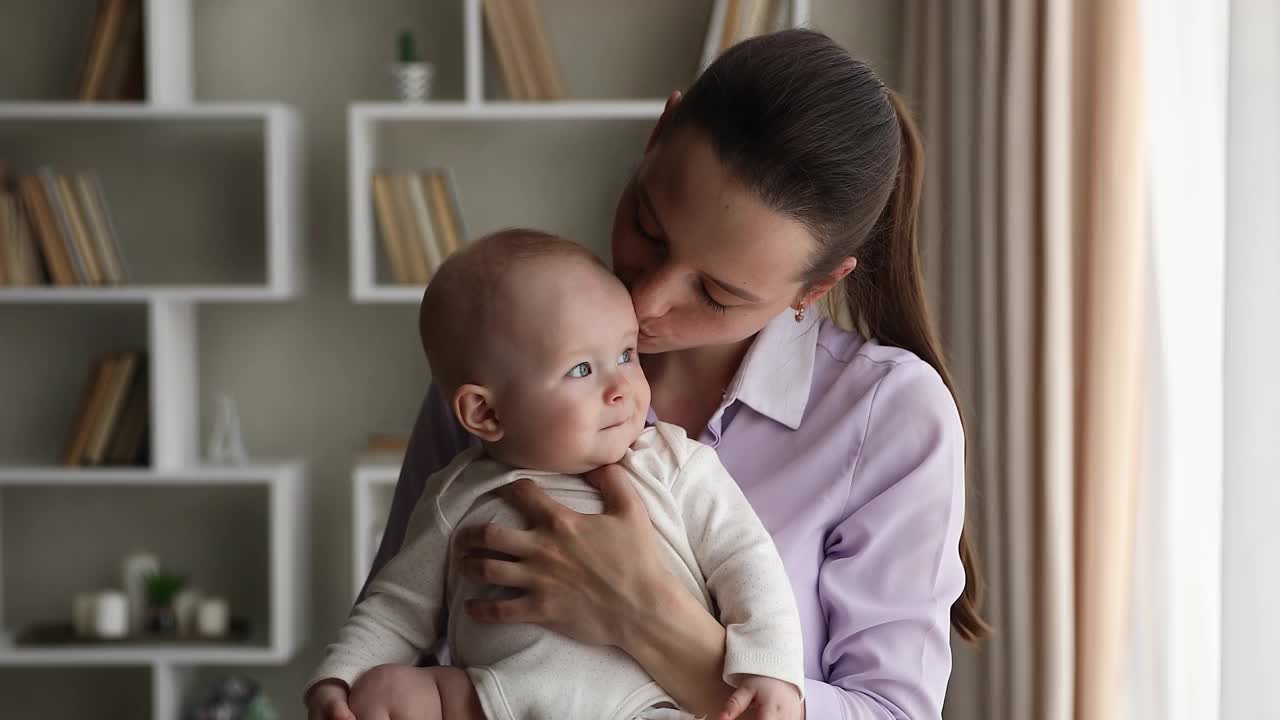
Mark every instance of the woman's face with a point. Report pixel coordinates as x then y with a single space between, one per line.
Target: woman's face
707 263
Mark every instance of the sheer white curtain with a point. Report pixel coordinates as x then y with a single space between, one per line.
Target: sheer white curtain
1203 636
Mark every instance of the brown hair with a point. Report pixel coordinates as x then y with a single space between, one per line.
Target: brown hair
818 137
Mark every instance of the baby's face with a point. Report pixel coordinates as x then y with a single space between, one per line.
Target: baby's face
575 397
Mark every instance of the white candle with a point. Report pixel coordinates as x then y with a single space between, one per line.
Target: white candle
111 614
212 617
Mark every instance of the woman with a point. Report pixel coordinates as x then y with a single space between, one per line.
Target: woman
786 168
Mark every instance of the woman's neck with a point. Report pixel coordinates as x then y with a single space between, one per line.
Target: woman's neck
688 385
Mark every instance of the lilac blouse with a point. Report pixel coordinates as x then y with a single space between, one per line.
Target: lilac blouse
852 454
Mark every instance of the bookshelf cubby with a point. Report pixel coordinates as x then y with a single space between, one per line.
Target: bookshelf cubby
372 486
206 202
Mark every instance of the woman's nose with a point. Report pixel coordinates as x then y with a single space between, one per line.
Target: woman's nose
651 294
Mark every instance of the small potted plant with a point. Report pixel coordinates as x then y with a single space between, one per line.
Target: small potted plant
162 587
413 76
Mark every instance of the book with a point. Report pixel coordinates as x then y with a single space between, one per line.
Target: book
103 39
129 437
505 39
424 223
387 444
90 407
389 228
101 227
546 70
448 225
22 257
50 182
53 249
729 27
415 254
108 417
77 222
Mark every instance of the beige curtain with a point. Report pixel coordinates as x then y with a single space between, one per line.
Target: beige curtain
1033 245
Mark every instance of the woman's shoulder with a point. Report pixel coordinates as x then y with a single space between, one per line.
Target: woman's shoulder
909 436
897 384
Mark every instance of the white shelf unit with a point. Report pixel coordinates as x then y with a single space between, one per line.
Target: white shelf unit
286 559
365 122
372 484
281 176
173 361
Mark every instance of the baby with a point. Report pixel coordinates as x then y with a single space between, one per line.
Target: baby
532 340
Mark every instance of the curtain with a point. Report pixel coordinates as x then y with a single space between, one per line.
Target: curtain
1033 242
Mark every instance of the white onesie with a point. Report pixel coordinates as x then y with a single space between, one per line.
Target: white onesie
710 538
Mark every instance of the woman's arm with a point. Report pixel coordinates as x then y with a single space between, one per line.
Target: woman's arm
600 579
436 438
892 565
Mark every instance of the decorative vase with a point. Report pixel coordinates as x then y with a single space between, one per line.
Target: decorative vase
162 620
136 567
413 81
184 607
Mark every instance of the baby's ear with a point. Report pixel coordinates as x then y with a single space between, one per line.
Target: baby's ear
473 406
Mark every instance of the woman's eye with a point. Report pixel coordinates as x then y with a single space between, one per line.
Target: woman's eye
711 302
644 233
580 370
625 357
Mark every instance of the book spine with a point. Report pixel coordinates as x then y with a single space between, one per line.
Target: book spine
106 29
102 211
46 229
392 242
422 216
414 252
77 221
50 182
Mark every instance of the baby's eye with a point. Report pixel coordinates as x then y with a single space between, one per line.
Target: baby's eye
625 357
580 370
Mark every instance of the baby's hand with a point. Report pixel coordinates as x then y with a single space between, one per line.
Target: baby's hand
768 699
327 700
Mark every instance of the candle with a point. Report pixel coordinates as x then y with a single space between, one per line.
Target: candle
212 617
111 614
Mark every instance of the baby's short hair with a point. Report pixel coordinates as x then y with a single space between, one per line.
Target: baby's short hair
458 306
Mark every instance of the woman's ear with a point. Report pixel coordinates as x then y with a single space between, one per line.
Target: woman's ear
823 286
672 102
473 406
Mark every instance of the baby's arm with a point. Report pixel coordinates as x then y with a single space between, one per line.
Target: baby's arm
403 610
744 574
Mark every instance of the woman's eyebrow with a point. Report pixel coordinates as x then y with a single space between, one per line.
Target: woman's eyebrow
735 290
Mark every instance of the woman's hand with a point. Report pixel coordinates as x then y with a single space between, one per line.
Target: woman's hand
593 578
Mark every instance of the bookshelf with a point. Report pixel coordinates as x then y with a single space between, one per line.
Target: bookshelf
208 161
373 483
